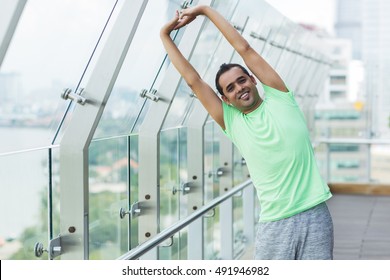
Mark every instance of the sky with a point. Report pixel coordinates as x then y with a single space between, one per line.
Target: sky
318 12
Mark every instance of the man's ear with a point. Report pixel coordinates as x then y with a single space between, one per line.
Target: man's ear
224 98
253 79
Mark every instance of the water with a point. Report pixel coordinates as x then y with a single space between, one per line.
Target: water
22 138
23 178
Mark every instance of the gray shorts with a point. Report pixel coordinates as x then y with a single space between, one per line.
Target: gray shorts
305 236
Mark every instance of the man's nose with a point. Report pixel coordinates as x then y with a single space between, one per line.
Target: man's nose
239 87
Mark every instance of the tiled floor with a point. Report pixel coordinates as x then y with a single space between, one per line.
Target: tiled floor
361 227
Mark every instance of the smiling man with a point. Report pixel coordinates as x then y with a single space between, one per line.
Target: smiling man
272 136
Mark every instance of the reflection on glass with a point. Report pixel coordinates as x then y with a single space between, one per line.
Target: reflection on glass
61 36
23 204
170 189
108 181
350 163
143 69
239 176
134 159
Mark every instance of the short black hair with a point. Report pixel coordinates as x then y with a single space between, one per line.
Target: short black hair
224 68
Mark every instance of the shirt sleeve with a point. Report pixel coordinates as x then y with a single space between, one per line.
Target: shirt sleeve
274 94
228 116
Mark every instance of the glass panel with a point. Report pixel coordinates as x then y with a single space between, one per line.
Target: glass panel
143 69
173 196
133 147
380 164
238 225
211 190
108 181
239 176
54 195
170 188
23 204
60 35
183 177
346 162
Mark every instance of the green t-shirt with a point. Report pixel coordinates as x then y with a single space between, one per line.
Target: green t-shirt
275 142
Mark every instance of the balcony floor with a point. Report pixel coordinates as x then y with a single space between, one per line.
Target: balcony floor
361 227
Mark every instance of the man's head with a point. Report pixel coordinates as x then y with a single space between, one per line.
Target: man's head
224 68
237 87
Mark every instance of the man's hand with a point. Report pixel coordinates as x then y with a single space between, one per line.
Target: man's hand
187 15
171 25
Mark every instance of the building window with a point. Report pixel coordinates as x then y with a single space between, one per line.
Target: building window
338 80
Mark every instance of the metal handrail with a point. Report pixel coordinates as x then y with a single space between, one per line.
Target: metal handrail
372 141
143 248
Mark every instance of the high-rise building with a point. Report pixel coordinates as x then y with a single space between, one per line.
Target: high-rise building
367 24
376 57
340 114
348 24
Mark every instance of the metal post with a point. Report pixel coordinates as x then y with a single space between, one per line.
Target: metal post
195 163
226 208
10 13
74 177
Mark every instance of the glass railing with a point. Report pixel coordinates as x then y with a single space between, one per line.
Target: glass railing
63 40
347 160
29 201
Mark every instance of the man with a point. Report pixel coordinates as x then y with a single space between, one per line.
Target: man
272 136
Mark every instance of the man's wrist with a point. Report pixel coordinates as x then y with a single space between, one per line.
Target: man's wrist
203 9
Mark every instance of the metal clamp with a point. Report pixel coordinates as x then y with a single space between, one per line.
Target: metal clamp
210 215
193 95
53 251
134 211
240 238
219 172
169 244
185 188
67 94
237 27
151 94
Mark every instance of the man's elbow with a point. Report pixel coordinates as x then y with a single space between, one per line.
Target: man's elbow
193 81
244 48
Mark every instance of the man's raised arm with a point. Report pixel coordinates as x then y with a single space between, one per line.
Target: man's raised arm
258 66
203 91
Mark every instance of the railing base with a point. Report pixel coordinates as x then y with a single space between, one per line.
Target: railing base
360 188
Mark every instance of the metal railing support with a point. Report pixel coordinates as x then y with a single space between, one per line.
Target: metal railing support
167 233
74 164
10 13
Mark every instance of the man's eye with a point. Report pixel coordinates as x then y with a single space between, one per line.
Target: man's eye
241 81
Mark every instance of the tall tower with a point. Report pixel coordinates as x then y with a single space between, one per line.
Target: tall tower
376 57
349 24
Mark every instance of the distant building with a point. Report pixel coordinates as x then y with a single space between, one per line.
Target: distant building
348 24
10 87
341 113
367 24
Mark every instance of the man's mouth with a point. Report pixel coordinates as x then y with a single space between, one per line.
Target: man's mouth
245 95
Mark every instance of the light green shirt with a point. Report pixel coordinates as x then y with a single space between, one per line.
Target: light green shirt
275 142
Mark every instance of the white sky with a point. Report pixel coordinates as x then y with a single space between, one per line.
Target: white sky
317 12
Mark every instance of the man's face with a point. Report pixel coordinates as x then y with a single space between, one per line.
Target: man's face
240 90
